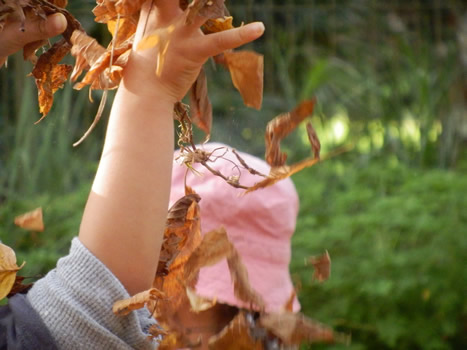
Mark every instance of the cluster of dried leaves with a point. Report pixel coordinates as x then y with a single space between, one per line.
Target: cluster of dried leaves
183 254
185 251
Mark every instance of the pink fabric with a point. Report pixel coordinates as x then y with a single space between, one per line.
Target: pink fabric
259 224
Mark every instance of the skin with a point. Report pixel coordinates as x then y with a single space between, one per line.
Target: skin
12 39
124 218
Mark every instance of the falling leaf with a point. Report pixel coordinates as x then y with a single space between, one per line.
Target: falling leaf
295 328
181 236
8 269
314 140
282 172
137 301
197 302
205 8
322 265
31 220
288 306
236 336
200 106
217 25
280 127
214 247
246 69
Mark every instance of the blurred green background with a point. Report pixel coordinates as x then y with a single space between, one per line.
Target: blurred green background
390 80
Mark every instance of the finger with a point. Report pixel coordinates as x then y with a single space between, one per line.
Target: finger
214 44
38 30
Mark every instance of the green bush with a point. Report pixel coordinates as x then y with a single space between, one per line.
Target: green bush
397 241
62 216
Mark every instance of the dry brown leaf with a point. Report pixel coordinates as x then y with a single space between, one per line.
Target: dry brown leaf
279 173
288 306
247 70
31 220
236 336
182 235
314 140
205 8
8 269
104 11
100 76
128 7
242 287
200 106
125 31
213 248
322 265
49 75
197 302
218 25
137 301
19 287
295 328
86 50
280 127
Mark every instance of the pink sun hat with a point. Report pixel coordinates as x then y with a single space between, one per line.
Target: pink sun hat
260 225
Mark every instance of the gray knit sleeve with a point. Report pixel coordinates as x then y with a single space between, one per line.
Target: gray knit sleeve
75 301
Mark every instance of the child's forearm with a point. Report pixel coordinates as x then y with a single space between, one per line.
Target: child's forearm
127 207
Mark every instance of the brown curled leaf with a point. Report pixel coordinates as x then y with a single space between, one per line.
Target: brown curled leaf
280 127
86 50
205 8
8 270
49 75
322 266
137 301
200 105
295 328
181 236
314 140
247 71
214 247
31 220
19 287
218 25
238 335
127 8
279 173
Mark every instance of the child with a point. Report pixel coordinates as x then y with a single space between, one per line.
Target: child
117 250
259 224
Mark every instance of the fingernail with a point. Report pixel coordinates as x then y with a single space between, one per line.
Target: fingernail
56 23
257 27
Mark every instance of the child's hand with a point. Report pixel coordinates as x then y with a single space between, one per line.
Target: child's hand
13 39
187 51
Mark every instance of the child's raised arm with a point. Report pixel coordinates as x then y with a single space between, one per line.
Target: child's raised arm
125 214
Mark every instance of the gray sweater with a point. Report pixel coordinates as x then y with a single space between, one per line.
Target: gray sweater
75 302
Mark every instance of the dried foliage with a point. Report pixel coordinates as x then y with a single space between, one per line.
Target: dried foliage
183 251
8 270
322 266
31 221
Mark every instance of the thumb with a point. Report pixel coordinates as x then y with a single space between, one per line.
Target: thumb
54 24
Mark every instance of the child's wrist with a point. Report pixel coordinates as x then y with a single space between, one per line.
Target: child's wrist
3 60
143 82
